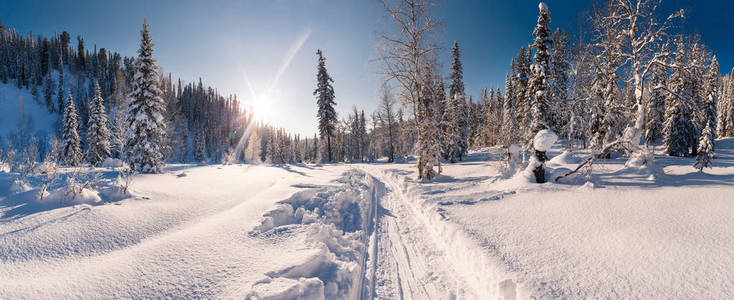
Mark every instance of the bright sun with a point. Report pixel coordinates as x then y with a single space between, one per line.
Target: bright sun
262 109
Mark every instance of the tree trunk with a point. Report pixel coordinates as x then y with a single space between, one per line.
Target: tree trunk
328 145
539 171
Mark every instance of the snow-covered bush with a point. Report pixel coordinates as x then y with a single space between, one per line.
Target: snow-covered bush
20 186
113 163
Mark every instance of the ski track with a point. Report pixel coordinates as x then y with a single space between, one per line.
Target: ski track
415 260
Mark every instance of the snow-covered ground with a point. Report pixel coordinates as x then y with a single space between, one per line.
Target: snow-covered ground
373 231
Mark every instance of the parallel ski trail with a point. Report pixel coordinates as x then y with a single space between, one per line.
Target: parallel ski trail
409 266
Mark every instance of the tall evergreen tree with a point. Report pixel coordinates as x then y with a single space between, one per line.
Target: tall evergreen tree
509 122
539 77
457 108
325 100
729 108
705 154
559 79
145 136
656 106
428 143
521 67
48 93
675 129
539 86
98 135
72 149
723 107
60 93
711 91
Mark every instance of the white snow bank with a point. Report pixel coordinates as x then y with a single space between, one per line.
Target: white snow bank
565 158
338 221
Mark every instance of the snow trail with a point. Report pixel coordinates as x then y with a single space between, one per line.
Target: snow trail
424 257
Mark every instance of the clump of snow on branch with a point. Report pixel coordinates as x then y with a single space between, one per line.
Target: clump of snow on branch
544 140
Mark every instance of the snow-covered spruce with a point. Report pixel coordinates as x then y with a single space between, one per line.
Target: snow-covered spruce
324 93
705 149
72 149
456 115
539 77
145 135
98 135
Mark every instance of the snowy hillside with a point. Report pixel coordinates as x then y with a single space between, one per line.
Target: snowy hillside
18 103
339 231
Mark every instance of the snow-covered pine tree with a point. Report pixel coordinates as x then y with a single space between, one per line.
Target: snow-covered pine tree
448 133
499 103
697 94
315 151
481 136
722 111
98 135
538 86
509 121
252 151
325 100
72 149
60 92
729 109
656 106
145 135
675 130
539 77
364 138
428 143
559 79
523 94
705 153
711 90
457 108
48 92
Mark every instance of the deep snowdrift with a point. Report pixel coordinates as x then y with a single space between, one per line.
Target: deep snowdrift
338 221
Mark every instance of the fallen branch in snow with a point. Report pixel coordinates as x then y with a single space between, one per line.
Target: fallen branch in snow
581 165
626 145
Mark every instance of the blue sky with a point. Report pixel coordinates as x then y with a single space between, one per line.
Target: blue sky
228 42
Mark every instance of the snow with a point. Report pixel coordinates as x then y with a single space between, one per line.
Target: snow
112 163
12 100
544 140
347 231
542 6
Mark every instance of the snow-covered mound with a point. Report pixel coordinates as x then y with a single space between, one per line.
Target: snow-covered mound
69 196
565 158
